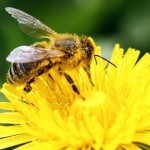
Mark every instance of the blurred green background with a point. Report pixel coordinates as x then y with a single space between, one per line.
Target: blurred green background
108 22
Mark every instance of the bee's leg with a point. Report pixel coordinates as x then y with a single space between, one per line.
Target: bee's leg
87 70
28 87
74 87
45 69
70 80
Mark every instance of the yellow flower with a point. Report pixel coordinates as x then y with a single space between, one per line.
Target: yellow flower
115 113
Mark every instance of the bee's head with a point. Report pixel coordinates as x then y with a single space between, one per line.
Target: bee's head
87 46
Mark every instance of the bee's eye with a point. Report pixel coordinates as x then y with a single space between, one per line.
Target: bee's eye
88 51
88 48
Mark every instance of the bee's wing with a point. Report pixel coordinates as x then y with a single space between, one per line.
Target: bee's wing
26 54
30 25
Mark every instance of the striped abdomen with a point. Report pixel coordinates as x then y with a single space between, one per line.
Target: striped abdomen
20 73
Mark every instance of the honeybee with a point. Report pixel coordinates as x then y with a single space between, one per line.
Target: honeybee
64 50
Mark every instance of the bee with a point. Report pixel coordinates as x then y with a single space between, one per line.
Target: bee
63 50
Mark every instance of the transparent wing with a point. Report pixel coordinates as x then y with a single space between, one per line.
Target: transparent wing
26 54
30 25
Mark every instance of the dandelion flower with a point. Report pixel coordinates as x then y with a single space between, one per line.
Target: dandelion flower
114 114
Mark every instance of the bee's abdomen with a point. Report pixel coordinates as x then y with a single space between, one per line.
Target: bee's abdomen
19 72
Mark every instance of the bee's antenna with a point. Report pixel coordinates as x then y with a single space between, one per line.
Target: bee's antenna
103 59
